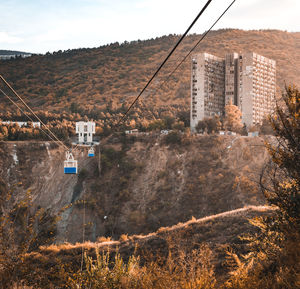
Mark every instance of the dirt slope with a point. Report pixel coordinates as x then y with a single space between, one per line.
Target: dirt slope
218 232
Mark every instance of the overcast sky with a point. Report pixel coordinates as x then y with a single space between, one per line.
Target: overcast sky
39 26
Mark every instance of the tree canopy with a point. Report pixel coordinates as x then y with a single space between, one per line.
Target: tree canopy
232 119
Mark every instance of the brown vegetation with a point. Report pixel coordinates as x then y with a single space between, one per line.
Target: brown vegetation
189 255
101 82
177 256
146 181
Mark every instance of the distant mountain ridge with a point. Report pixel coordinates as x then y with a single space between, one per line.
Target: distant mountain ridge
13 52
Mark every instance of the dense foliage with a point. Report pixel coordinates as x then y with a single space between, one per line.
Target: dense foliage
274 257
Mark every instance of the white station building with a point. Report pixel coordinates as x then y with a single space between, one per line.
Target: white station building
85 131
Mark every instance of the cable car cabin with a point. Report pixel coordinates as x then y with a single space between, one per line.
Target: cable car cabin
70 165
91 152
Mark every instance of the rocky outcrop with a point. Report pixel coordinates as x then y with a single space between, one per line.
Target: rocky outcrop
144 184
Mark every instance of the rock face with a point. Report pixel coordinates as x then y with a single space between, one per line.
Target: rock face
143 185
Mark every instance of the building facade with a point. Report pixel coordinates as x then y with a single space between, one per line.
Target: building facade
231 78
85 131
22 123
245 80
257 87
208 87
11 56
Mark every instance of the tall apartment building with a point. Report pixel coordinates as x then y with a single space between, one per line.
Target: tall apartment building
231 78
246 80
207 87
256 87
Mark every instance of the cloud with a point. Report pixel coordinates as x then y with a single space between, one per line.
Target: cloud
5 38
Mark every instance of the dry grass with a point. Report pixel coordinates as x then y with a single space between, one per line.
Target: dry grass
242 214
231 224
174 257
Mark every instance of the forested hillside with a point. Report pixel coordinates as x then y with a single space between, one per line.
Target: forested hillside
101 82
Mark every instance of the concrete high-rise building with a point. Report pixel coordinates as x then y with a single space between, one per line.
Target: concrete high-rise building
257 87
207 87
231 78
246 80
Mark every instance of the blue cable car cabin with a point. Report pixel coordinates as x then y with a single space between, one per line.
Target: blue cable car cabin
70 165
91 152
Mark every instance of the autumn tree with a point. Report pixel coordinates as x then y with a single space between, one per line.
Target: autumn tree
22 230
158 124
179 125
232 119
281 183
274 257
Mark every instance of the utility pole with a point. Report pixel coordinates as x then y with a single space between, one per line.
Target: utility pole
99 161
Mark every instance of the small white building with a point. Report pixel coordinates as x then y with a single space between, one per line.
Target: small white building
85 131
132 131
164 131
22 123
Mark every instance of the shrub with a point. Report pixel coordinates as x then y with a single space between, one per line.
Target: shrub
82 174
174 137
124 238
103 239
179 270
273 259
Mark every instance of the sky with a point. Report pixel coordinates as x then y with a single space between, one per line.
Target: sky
39 26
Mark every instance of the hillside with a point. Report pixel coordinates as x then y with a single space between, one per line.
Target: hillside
100 82
144 183
218 232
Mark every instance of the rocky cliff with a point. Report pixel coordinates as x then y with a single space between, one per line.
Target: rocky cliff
142 184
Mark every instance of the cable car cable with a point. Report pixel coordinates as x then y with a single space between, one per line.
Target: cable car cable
195 46
27 106
166 59
27 115
70 169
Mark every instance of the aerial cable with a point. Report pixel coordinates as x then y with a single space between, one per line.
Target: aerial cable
28 107
195 46
166 59
24 112
83 233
